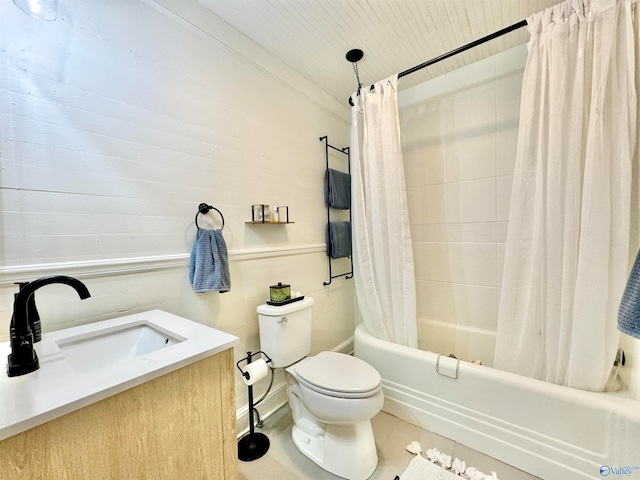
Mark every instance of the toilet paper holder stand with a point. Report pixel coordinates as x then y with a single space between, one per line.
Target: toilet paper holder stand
253 445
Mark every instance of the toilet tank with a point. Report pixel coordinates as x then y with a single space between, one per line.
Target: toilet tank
285 331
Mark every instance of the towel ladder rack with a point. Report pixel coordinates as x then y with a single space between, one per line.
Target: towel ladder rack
344 151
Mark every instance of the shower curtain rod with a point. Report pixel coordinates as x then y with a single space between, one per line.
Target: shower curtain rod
475 43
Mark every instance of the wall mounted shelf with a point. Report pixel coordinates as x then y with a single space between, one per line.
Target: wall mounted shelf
268 223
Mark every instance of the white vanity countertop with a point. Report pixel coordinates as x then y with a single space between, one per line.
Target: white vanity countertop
57 389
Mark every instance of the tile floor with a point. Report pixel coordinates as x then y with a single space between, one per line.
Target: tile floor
283 461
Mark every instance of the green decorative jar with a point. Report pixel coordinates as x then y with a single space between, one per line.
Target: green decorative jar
280 292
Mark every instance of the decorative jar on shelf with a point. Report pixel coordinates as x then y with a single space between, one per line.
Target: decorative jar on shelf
283 214
260 213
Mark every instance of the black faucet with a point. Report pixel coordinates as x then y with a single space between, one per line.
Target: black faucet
23 358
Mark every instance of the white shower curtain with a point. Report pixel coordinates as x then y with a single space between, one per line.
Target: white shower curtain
568 240
382 250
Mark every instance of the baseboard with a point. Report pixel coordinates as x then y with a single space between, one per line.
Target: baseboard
345 347
276 399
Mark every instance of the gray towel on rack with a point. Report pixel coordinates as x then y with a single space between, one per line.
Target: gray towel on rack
629 312
337 189
209 263
338 238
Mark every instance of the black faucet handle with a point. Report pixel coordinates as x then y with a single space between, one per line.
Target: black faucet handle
32 314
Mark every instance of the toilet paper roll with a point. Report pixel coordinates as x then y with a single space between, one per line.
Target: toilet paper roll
256 370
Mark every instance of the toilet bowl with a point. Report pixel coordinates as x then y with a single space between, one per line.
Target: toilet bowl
333 397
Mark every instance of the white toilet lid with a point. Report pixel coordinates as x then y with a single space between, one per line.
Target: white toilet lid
339 375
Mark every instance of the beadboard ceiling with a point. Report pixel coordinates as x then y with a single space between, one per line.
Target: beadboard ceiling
313 36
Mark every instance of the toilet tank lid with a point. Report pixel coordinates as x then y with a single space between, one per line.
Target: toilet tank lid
277 311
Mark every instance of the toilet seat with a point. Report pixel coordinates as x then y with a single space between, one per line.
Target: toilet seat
338 375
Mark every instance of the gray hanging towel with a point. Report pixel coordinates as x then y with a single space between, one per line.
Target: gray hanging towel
209 263
337 189
338 238
629 313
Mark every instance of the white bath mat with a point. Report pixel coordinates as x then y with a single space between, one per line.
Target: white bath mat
438 466
422 469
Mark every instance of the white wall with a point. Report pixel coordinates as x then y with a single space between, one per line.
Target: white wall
116 121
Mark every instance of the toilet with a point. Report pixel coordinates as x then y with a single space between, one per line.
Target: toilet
332 396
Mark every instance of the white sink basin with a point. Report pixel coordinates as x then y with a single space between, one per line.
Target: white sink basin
88 363
114 346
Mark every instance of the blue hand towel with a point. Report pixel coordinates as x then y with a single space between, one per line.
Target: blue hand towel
209 263
338 238
629 313
337 189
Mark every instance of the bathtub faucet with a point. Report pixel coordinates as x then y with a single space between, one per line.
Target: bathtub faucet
23 358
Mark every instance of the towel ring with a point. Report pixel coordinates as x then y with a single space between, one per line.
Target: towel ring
204 208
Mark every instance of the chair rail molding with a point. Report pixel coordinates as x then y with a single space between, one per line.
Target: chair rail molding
123 266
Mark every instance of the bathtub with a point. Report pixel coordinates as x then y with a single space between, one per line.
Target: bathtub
547 430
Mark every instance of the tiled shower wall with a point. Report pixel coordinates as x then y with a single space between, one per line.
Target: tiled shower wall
459 135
